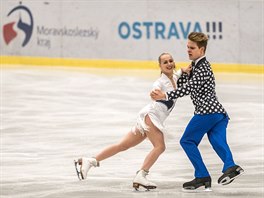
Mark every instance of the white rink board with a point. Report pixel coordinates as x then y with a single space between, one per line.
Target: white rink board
134 30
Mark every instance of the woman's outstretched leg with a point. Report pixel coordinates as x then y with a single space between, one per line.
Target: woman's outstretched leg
130 140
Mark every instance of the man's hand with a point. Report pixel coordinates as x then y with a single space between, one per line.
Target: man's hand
157 95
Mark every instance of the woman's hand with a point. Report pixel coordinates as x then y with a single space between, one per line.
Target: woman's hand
187 69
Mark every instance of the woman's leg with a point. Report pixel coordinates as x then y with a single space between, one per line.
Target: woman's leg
130 140
157 139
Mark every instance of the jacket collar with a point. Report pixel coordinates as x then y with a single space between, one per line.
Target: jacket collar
199 60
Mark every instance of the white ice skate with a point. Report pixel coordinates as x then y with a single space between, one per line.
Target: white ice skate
83 165
141 180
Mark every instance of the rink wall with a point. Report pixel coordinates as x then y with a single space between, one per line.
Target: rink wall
131 34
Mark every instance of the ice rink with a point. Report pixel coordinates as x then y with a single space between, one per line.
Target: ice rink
51 116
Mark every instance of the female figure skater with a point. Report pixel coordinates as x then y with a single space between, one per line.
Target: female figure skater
149 125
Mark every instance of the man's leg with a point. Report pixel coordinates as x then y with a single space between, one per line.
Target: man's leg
194 132
217 138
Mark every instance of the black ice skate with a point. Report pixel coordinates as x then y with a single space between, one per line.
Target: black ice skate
198 184
230 174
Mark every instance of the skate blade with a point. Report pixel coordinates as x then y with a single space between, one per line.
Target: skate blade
147 188
78 169
227 179
197 190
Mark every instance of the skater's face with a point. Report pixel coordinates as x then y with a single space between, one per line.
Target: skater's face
167 64
194 51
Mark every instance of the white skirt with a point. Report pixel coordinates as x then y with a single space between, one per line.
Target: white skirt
157 113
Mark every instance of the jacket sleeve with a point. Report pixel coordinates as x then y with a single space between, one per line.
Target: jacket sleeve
182 80
193 84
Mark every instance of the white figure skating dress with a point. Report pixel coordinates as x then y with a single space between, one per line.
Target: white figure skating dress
159 110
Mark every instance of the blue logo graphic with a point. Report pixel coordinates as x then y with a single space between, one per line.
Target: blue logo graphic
160 30
8 29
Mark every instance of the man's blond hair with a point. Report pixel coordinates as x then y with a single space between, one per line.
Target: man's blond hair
199 38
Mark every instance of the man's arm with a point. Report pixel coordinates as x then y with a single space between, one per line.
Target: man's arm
194 83
183 79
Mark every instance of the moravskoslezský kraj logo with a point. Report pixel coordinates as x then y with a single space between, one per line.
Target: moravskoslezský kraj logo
8 29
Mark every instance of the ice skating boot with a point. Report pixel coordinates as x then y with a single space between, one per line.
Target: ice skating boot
230 174
83 165
198 184
141 180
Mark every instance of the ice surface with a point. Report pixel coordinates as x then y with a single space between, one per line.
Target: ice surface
51 116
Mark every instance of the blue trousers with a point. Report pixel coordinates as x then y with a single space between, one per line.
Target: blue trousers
215 126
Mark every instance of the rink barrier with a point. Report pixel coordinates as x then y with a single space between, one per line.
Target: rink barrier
121 64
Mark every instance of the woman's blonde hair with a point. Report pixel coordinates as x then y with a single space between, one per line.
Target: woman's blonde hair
164 53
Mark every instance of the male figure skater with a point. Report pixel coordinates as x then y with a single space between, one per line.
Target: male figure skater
209 117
